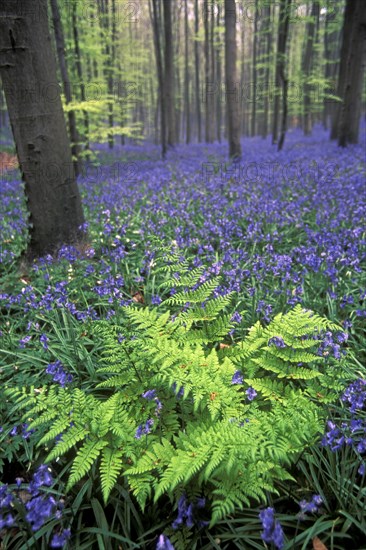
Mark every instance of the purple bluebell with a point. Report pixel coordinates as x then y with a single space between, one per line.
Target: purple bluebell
272 530
237 378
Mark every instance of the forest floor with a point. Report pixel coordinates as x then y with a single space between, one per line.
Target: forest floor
276 230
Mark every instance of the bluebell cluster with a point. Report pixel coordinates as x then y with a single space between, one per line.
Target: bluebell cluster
150 395
40 506
144 429
312 190
164 543
312 506
272 529
187 513
59 374
276 341
352 430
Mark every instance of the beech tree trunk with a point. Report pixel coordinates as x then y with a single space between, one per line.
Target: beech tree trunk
281 81
268 43
345 51
169 73
350 114
60 46
155 16
197 72
232 95
186 75
254 72
307 65
79 72
28 73
218 77
209 85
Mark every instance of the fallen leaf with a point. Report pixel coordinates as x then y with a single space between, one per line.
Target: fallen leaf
318 545
138 298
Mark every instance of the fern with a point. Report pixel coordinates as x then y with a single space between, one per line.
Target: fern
210 438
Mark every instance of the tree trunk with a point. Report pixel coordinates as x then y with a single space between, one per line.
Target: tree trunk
155 16
28 72
351 107
307 65
268 48
186 75
331 39
218 76
169 73
345 51
60 47
254 71
79 72
197 72
208 84
232 99
280 76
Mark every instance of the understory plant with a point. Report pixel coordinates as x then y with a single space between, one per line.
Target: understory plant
183 413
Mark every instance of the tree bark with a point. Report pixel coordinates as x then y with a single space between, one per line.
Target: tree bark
169 73
218 77
186 75
60 47
209 86
268 44
345 51
307 65
254 71
232 95
79 72
281 81
155 16
197 72
350 115
28 72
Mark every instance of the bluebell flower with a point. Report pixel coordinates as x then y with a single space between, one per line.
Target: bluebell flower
311 506
276 341
237 378
44 341
39 510
6 521
251 394
144 429
60 539
149 394
164 543
186 512
272 530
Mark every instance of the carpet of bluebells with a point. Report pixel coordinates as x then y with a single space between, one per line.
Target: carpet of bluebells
279 228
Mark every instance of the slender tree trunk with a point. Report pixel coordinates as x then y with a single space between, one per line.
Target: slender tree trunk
243 88
268 44
232 99
208 84
351 107
307 65
281 81
218 76
331 54
60 47
213 79
169 73
28 73
254 71
197 71
186 75
79 72
345 52
155 15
